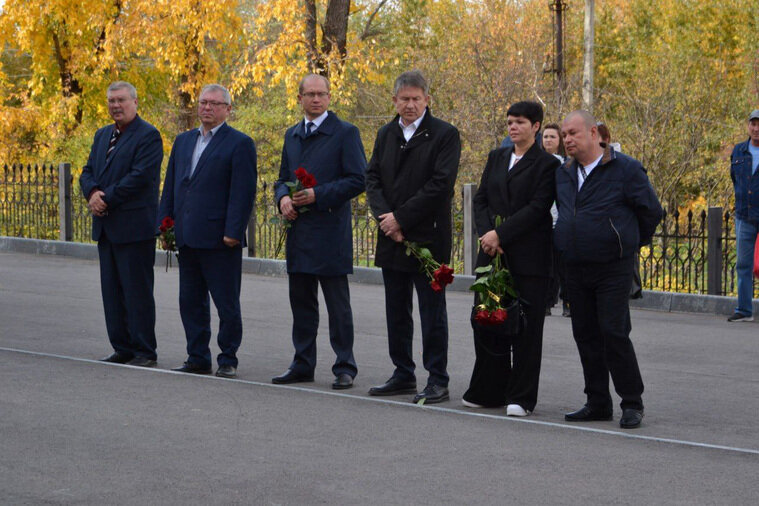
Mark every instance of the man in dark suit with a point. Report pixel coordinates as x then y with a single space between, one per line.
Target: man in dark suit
209 191
320 240
120 183
409 183
607 210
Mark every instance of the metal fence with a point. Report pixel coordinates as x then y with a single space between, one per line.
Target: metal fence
692 252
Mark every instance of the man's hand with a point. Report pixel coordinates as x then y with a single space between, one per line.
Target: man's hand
228 241
304 197
96 204
397 237
287 209
491 244
389 226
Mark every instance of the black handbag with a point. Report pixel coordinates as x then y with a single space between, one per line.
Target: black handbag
511 327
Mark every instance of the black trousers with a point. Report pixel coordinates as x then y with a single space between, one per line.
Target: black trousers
601 326
126 283
399 291
507 370
304 303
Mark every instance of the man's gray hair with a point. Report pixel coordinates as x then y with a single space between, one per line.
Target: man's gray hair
411 79
121 85
218 87
312 76
587 118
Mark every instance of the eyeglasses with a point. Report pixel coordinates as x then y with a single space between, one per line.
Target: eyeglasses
314 94
204 103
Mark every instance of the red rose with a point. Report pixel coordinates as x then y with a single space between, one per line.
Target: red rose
167 222
482 317
162 228
444 275
436 286
308 181
498 316
300 173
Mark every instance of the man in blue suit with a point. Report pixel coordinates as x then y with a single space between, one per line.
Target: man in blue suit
209 191
319 242
120 183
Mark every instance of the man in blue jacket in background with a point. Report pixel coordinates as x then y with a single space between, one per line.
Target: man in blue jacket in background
120 183
320 238
607 210
743 164
209 191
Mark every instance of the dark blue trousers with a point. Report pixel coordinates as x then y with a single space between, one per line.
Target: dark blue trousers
304 304
126 282
599 295
218 272
399 291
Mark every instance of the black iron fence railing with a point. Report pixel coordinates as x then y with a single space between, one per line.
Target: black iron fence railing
691 252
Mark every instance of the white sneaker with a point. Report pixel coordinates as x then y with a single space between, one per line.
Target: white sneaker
516 410
471 404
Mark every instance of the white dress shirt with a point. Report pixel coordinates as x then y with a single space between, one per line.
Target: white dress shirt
408 131
316 121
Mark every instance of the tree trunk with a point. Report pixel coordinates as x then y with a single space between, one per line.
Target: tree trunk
335 31
313 51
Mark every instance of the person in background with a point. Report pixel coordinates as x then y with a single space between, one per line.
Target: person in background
743 163
554 144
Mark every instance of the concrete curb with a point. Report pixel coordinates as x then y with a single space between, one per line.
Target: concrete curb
653 300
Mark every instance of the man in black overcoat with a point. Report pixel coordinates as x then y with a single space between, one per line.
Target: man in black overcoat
409 183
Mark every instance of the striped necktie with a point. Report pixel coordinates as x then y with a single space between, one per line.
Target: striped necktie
112 142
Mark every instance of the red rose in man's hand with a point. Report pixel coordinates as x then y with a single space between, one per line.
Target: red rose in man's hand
300 173
436 287
444 275
308 181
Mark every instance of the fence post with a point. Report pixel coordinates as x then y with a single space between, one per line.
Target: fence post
714 251
65 206
252 232
471 242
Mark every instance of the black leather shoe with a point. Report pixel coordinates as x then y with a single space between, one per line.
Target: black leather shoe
631 418
291 376
191 368
342 382
142 362
394 386
226 371
117 358
432 394
586 414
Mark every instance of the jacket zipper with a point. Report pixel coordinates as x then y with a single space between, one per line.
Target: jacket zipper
619 239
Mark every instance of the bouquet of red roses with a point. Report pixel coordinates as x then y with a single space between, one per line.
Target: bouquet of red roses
439 274
496 294
168 239
303 180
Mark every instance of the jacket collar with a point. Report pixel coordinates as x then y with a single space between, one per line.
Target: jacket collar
423 126
609 154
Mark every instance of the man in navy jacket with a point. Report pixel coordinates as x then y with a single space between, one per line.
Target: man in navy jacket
209 191
607 209
120 183
743 164
320 238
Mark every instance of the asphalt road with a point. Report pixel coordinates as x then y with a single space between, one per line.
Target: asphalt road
77 431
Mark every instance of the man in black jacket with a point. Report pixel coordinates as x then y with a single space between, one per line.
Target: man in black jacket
409 183
607 209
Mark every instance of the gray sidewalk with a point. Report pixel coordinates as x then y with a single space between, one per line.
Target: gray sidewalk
75 431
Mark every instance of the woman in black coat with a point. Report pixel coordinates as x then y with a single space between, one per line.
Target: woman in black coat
517 185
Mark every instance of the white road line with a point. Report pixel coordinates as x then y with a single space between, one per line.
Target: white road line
407 404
